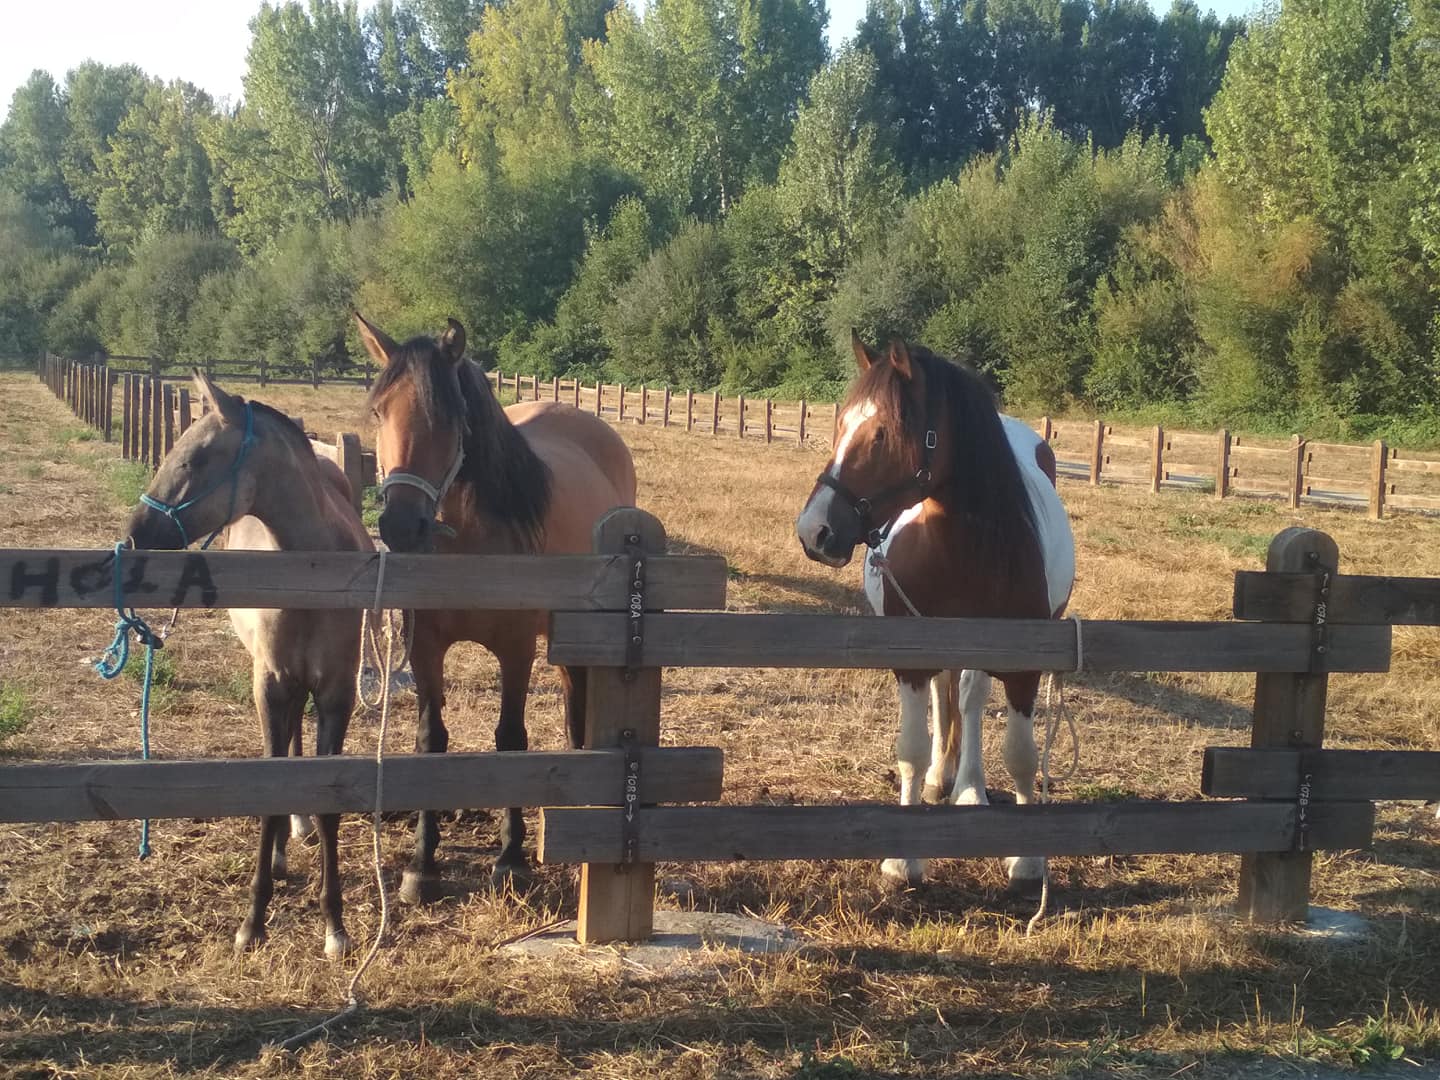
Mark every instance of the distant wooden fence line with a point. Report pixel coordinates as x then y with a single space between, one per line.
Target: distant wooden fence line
1300 471
1284 797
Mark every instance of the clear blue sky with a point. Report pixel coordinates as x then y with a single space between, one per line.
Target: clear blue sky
205 41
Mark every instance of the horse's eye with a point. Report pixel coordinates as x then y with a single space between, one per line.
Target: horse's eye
880 435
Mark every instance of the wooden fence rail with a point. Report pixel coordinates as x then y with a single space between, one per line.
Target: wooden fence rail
1375 477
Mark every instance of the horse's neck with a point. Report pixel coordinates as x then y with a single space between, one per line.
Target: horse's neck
293 497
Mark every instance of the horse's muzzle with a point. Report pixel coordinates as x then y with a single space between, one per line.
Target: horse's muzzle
150 530
405 528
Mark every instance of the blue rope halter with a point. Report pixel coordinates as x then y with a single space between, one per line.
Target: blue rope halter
113 662
173 510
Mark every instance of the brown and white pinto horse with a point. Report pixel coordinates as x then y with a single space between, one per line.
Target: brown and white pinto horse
463 475
248 470
961 502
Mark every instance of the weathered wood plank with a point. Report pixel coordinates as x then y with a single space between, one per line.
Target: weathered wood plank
109 790
267 579
734 833
1401 464
1402 501
1354 599
832 641
1236 772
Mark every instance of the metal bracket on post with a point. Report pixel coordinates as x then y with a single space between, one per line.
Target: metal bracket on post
635 616
630 822
1320 623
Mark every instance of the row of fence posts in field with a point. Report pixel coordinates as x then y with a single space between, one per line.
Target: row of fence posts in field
1274 803
155 412
153 409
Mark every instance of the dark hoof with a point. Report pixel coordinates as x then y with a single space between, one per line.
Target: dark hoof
418 888
512 877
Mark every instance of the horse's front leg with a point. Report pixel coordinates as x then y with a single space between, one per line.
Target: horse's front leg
302 826
1021 760
974 692
941 775
912 752
280 704
427 663
333 705
517 658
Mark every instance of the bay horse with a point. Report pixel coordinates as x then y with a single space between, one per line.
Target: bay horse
247 471
959 502
463 475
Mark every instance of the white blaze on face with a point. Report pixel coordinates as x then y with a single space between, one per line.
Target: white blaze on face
817 510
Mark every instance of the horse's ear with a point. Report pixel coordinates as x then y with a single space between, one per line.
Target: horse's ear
900 358
377 343
230 407
864 355
452 342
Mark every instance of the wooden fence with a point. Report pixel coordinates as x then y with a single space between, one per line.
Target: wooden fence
1299 471
614 614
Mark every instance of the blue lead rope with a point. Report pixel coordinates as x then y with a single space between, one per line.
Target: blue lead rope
113 662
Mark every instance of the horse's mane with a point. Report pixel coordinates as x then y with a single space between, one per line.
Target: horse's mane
501 477
985 484
289 430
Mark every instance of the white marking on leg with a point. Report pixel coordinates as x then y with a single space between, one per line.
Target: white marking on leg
970 776
912 753
1021 760
301 826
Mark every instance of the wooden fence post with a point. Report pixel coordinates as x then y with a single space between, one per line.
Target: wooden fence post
347 453
599 395
804 414
665 408
769 417
644 403
1157 458
168 394
1047 429
127 431
1378 459
740 424
186 418
1097 453
715 413
263 374
617 902
689 411
1222 465
315 372
554 387
365 370
620 417
1297 472
577 391
110 378
1289 713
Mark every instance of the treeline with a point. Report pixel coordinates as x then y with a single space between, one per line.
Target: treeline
1095 204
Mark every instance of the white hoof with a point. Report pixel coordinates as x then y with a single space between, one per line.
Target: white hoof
904 873
337 946
1025 872
418 888
971 796
246 938
301 826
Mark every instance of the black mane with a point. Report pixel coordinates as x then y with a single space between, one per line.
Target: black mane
984 482
501 477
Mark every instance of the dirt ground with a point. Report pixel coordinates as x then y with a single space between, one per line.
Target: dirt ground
111 967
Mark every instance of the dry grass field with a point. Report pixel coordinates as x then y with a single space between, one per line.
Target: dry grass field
110 967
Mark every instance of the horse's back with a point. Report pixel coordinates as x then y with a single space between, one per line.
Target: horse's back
1057 542
591 469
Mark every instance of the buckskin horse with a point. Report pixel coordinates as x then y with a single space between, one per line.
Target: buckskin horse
463 475
248 471
959 507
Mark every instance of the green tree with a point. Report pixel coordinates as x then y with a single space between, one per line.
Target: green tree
148 314
698 97
32 147
155 176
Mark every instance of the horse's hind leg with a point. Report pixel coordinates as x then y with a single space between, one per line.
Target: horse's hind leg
302 826
912 752
574 684
280 704
941 775
333 706
516 662
1021 760
427 661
